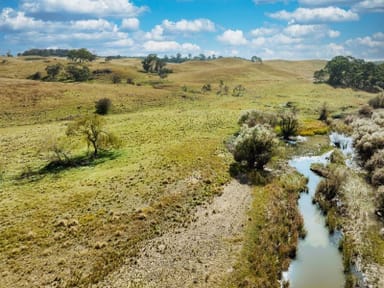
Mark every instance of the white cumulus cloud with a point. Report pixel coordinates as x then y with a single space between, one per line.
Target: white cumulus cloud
16 20
307 15
197 25
233 37
86 7
130 24
370 6
168 46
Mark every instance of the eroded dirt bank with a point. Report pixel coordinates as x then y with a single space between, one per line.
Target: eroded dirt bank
200 255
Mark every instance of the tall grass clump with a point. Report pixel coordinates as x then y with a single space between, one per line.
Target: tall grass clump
289 125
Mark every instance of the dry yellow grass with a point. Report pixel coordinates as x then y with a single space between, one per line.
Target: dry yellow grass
74 226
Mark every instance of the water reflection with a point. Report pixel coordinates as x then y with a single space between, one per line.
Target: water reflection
318 263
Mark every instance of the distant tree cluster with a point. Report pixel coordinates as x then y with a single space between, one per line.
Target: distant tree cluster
81 55
344 71
45 52
75 55
256 59
153 64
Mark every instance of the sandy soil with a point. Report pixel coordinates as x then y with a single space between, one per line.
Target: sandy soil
201 255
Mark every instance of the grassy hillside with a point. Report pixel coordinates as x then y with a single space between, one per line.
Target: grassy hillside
74 226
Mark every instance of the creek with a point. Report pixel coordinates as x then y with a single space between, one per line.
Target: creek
318 262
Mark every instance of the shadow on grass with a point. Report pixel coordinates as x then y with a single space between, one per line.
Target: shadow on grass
56 167
242 174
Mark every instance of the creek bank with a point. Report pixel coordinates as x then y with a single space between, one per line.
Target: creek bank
318 262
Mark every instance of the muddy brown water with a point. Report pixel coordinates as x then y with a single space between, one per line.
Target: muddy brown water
318 263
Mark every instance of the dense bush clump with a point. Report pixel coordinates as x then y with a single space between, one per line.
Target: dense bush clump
254 146
103 106
77 73
116 79
369 136
377 102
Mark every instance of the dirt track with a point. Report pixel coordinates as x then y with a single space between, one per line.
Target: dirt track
201 255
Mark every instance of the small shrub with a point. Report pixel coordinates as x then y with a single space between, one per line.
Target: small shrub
376 161
377 178
377 102
366 111
103 106
289 125
116 79
206 88
238 91
254 146
35 76
223 89
253 117
337 157
130 81
324 112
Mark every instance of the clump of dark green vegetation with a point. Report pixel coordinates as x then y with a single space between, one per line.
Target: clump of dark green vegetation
153 64
350 72
289 125
377 101
103 106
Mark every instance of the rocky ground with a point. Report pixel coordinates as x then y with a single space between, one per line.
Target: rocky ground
201 255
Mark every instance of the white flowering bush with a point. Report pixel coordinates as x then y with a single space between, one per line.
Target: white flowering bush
254 146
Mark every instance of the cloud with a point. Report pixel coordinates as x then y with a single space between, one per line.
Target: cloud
263 31
130 24
310 31
92 24
369 6
99 8
16 20
374 41
325 2
306 15
167 46
233 37
197 25
127 42
155 34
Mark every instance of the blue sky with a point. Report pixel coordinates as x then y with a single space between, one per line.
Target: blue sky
271 29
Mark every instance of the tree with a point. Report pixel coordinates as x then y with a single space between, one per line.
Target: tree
255 146
53 70
78 73
150 63
90 127
80 55
256 59
350 72
153 64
